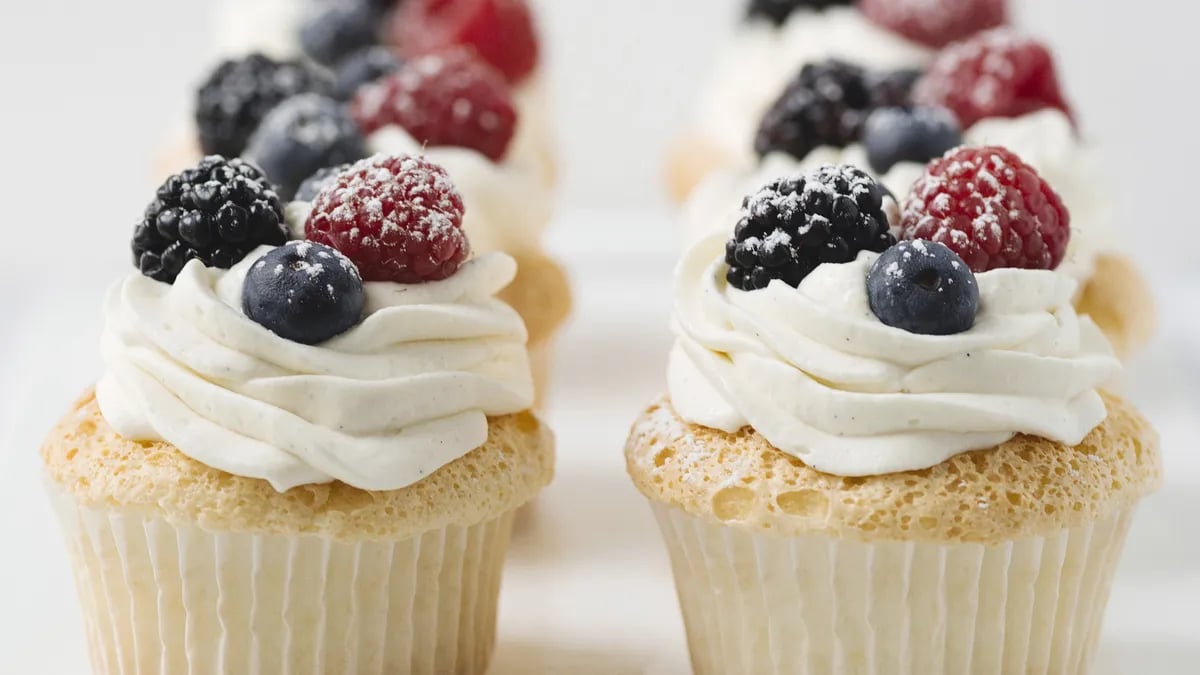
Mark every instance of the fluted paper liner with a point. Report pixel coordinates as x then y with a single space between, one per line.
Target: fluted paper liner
761 604
170 599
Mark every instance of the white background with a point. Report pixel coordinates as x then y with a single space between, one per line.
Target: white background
91 88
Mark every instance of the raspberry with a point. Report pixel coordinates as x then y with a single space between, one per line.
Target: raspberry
994 74
827 104
501 31
778 11
216 212
398 218
989 207
448 99
936 23
796 223
239 93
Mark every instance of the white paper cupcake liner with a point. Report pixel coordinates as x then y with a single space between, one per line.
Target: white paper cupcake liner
760 604
167 599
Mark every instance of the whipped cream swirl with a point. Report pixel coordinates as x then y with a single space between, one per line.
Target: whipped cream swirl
821 378
753 70
508 206
1046 140
380 407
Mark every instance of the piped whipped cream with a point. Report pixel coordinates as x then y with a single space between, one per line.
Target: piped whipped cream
821 378
508 206
1046 139
763 58
380 407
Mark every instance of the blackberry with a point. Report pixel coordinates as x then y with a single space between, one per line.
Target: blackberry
239 93
301 136
216 212
316 183
796 223
778 11
827 104
363 67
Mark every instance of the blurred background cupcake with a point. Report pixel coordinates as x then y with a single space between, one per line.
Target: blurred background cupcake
304 455
890 457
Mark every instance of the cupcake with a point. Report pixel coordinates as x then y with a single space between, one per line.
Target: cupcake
778 37
873 458
294 464
354 42
1024 111
451 106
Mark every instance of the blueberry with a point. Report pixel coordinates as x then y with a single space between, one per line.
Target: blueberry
923 287
304 292
337 28
894 135
302 135
363 67
316 183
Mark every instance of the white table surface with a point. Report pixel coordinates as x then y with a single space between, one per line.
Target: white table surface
588 589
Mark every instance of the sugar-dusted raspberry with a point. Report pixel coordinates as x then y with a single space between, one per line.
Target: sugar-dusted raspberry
446 99
989 207
994 74
502 31
936 23
398 218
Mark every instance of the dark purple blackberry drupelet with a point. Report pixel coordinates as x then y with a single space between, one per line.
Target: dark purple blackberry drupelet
923 287
827 104
304 292
216 212
796 223
301 136
778 11
239 93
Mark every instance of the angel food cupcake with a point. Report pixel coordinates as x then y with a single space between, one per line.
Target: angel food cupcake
305 455
451 106
778 37
872 458
997 88
356 41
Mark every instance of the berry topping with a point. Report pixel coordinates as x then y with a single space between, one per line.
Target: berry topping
796 223
302 135
923 287
778 11
304 292
894 135
827 104
936 23
236 97
501 31
361 68
316 183
990 208
994 74
449 99
334 29
217 213
398 218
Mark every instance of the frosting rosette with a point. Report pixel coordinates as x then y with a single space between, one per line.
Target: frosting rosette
380 407
816 373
